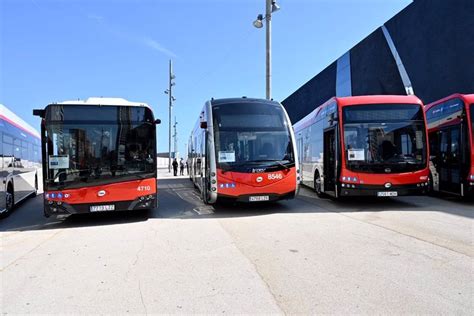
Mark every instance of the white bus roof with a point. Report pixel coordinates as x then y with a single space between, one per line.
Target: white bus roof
10 116
104 101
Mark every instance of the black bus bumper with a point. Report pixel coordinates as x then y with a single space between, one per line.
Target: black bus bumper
381 191
54 208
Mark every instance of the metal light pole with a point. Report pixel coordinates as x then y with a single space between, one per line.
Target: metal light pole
270 7
169 92
175 136
268 18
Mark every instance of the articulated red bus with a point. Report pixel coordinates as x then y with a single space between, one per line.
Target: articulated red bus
98 155
365 145
243 150
451 137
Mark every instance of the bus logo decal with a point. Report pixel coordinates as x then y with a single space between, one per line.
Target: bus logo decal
101 193
259 179
388 185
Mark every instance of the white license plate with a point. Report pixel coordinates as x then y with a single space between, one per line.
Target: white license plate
102 208
259 198
389 193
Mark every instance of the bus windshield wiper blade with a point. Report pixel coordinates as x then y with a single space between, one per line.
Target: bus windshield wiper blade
278 162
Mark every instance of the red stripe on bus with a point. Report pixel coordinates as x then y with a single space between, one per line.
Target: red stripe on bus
3 117
114 192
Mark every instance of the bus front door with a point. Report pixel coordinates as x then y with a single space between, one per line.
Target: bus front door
330 164
450 160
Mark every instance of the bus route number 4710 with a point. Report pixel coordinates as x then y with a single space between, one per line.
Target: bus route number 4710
144 188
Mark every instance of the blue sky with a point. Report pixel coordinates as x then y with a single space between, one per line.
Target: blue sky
62 50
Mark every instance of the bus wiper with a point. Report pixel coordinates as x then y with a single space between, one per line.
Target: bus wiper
271 160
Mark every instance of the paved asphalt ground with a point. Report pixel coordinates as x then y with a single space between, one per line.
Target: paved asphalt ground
308 255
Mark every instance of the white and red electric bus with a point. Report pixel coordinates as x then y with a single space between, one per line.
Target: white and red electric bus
451 137
20 160
242 150
98 155
364 145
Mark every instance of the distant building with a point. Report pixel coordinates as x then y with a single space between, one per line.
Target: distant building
426 49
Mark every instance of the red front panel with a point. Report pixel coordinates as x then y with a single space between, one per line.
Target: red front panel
236 183
121 191
380 179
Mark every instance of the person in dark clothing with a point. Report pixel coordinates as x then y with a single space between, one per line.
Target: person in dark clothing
175 167
181 167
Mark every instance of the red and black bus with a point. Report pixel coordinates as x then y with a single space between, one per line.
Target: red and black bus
98 155
364 146
242 150
451 138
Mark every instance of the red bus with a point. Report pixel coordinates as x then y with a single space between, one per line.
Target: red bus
242 150
364 146
98 155
451 137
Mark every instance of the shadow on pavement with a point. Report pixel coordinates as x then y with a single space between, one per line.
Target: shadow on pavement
179 200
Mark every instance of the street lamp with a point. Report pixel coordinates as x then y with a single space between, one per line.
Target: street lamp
271 7
169 92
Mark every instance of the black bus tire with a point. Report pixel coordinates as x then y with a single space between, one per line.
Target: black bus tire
35 193
317 184
430 185
10 198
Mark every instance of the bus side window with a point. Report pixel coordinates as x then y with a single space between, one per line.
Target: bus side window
454 152
443 148
17 148
1 152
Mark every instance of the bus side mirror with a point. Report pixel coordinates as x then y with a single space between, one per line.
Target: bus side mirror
203 124
157 121
39 113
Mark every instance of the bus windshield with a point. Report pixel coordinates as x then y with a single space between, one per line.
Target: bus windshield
250 134
91 145
384 138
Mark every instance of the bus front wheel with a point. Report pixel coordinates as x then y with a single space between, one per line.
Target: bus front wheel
35 193
317 185
9 198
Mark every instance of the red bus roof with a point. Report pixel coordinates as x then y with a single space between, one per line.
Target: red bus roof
374 99
467 98
357 100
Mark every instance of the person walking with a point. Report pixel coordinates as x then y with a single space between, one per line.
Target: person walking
175 167
181 167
